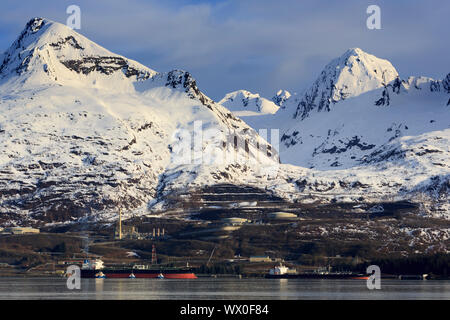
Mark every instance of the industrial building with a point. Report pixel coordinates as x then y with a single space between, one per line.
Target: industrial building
130 232
126 232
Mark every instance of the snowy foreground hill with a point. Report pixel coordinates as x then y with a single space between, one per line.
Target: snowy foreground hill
84 131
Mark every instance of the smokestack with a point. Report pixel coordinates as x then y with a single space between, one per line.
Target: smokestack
120 224
153 254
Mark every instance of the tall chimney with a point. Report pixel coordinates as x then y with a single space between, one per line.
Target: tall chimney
153 254
120 223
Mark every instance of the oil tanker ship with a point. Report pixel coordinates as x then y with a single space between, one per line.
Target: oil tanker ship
283 272
96 269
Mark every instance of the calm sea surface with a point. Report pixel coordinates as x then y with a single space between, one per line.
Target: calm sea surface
220 288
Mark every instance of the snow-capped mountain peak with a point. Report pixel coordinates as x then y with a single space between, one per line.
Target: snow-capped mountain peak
353 73
48 51
243 102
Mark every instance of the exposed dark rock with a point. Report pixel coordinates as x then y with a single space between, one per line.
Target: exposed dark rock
105 65
301 184
70 40
354 142
446 83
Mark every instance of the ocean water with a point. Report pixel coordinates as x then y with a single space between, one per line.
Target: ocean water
220 288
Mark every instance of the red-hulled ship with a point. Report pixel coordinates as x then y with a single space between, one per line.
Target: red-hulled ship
96 269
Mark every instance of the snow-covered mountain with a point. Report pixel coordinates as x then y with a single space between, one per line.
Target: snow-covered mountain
84 130
357 105
245 103
350 75
359 116
400 131
259 112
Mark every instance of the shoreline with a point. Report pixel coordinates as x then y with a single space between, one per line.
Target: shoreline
218 276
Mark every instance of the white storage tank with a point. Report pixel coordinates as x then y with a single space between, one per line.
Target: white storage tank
283 215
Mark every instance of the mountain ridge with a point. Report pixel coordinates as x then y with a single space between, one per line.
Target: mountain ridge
88 134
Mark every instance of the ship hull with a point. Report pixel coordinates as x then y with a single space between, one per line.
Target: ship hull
114 274
317 276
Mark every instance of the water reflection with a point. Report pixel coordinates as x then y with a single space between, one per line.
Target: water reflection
99 288
220 288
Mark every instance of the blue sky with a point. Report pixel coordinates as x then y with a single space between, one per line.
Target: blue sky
258 45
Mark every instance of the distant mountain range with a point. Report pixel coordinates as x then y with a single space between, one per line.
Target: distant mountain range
84 130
